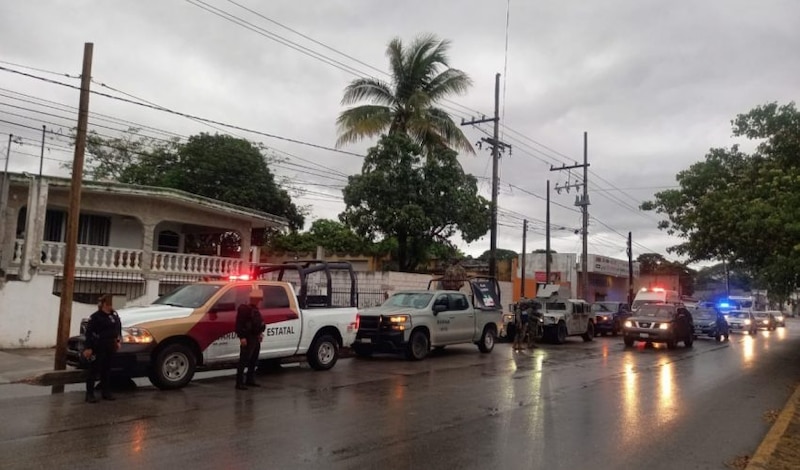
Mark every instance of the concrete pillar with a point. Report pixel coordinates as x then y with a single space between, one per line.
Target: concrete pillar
246 233
34 229
148 228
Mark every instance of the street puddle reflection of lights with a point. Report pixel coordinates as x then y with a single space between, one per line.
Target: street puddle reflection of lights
666 392
631 416
138 435
748 350
781 333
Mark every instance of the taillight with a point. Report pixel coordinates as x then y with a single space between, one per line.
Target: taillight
354 325
358 320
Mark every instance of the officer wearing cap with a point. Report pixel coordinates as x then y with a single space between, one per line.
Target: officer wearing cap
250 330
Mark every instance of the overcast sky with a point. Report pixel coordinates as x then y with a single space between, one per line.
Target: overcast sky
654 83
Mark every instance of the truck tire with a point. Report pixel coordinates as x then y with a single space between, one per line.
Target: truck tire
418 346
589 335
511 331
561 333
324 352
689 341
173 367
362 350
488 338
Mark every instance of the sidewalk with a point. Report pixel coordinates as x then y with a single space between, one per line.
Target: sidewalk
18 366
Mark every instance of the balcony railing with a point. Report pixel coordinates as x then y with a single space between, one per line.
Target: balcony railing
130 260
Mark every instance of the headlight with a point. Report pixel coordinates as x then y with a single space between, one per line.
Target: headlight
628 324
747 322
508 317
663 326
779 318
766 322
399 322
136 335
605 318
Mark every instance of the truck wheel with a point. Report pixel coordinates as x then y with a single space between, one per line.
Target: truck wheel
628 342
362 350
589 335
561 332
511 331
488 338
418 346
173 367
689 341
324 352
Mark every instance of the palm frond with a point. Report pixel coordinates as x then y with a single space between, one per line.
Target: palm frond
368 89
357 123
449 130
451 81
395 53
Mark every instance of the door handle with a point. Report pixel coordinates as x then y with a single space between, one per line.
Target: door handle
471 315
452 316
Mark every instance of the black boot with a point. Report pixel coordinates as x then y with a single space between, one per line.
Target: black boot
240 386
108 396
90 398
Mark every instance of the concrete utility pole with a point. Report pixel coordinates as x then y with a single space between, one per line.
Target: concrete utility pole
583 203
630 269
65 310
524 241
4 193
547 257
497 148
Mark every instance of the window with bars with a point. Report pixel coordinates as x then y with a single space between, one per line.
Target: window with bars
92 229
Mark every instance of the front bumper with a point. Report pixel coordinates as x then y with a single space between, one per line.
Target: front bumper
650 335
381 341
132 360
604 325
705 330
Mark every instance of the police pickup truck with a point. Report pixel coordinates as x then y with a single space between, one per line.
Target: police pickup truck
194 326
411 322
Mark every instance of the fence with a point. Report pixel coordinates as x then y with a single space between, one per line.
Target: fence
91 284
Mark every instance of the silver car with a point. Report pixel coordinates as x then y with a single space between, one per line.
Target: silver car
741 321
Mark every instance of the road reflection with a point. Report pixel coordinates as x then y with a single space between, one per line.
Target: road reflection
631 417
137 437
667 411
748 350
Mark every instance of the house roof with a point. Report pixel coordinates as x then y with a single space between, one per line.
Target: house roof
164 194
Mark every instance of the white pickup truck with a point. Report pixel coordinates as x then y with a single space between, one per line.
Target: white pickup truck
411 322
193 326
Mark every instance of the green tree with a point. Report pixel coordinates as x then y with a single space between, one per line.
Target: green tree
417 202
420 78
502 254
743 208
217 166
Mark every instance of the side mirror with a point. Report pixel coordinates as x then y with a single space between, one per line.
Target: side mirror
438 308
223 307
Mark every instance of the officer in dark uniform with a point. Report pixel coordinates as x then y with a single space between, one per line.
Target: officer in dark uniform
250 330
103 337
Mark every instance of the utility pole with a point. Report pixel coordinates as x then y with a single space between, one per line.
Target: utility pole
583 203
4 193
41 155
65 310
630 269
547 257
497 148
524 240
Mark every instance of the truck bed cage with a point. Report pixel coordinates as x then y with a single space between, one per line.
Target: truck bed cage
484 290
304 268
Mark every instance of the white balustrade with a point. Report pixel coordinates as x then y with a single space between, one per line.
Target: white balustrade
128 259
93 257
181 263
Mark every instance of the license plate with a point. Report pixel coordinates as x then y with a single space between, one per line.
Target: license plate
365 340
644 335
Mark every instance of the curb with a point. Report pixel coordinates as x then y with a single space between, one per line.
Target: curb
761 458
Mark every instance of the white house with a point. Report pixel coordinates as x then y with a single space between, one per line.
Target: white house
135 242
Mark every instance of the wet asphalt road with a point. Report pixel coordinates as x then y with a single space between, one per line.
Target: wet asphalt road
579 405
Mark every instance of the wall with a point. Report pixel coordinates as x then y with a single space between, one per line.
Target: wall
29 313
126 232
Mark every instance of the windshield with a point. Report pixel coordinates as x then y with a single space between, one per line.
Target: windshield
605 307
639 303
739 315
705 313
762 315
653 311
409 299
191 295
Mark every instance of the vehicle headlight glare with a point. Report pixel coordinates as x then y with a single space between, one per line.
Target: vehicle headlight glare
134 335
628 324
747 322
663 326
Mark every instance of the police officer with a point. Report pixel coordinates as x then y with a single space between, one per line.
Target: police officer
250 330
103 337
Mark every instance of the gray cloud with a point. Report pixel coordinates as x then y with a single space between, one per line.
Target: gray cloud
654 83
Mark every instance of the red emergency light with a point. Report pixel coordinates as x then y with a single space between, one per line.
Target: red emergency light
239 277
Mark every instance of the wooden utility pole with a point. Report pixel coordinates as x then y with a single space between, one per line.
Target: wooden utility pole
583 203
524 249
65 311
497 148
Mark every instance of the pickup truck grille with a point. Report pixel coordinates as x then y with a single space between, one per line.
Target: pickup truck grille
647 324
369 323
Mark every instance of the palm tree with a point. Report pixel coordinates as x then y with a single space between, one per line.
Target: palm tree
420 77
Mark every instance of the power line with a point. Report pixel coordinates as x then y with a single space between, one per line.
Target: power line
186 115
